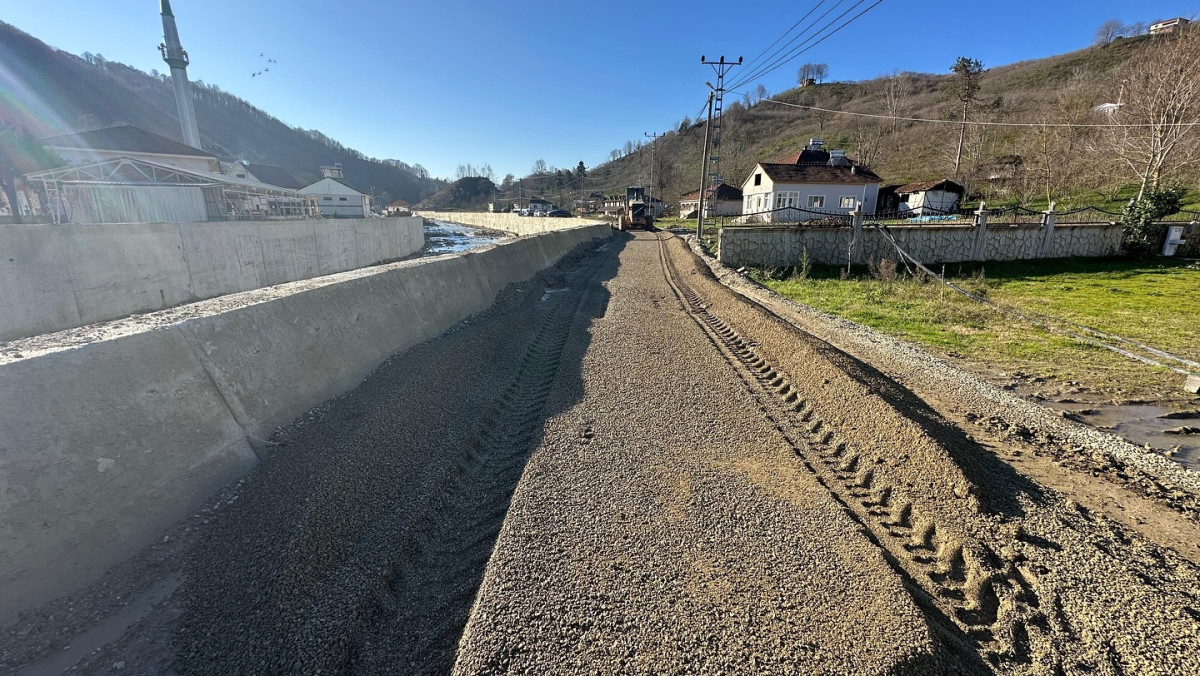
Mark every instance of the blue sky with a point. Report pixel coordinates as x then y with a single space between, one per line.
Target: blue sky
453 81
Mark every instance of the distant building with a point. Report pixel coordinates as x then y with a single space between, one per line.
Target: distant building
264 173
922 199
334 171
1168 26
336 199
722 200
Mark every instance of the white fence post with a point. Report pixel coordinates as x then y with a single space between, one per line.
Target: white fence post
1048 222
979 251
857 235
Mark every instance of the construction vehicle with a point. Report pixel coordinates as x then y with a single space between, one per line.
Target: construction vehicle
637 212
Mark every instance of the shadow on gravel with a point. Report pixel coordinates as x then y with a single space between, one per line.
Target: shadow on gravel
997 482
360 543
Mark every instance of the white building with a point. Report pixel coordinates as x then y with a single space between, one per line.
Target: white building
335 199
723 200
102 145
125 174
789 193
930 197
1168 26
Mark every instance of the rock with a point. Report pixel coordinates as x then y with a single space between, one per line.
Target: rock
1183 429
1192 385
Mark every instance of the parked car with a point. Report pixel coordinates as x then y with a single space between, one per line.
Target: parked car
559 213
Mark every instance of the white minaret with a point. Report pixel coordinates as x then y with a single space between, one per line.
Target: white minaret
177 59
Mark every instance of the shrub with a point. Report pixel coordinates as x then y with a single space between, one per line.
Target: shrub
1143 234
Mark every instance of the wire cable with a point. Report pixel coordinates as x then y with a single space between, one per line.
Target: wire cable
983 124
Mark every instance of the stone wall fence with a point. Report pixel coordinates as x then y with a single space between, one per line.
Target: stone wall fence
984 235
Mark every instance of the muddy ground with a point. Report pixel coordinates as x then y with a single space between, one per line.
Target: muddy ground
627 467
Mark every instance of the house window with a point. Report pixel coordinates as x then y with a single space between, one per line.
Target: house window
847 202
784 200
328 199
816 201
758 179
341 199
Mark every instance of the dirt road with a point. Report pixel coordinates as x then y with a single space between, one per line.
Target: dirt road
625 467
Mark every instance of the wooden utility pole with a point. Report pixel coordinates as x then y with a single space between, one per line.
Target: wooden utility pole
703 173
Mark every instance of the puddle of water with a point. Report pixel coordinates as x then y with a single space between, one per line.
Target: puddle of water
447 238
105 631
1140 425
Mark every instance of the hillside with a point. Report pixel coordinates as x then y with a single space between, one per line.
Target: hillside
60 93
1060 88
473 193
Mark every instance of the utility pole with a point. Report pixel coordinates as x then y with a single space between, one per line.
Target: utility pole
720 67
703 173
653 159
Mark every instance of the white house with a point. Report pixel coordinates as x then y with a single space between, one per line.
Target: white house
335 199
1168 26
800 192
930 197
723 200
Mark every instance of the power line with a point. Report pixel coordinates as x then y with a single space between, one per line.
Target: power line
798 51
983 124
750 65
761 68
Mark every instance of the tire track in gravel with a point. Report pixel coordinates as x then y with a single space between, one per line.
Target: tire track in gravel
377 490
946 580
1026 578
423 615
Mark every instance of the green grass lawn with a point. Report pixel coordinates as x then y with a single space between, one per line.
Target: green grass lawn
1156 303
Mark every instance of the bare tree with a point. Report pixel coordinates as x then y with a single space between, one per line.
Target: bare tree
1108 31
805 74
867 137
539 168
614 155
628 148
820 71
967 75
760 93
897 91
1135 29
1161 108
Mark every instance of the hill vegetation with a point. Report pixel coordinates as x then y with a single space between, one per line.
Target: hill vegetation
472 193
56 93
1029 165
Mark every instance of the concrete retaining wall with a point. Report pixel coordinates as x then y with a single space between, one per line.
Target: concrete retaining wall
54 277
511 223
784 246
104 445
